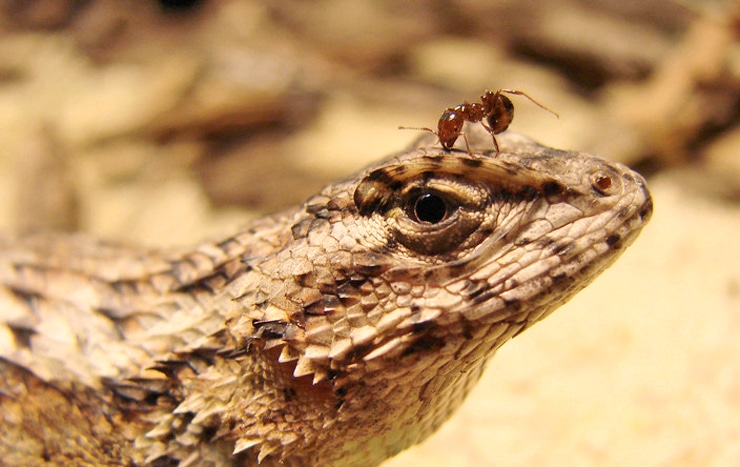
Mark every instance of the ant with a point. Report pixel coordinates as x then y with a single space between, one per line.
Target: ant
495 107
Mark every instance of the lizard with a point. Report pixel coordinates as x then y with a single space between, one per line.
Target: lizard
338 332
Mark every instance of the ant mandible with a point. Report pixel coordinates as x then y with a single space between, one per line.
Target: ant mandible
495 107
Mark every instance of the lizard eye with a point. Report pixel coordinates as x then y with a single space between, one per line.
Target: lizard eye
432 216
429 208
435 220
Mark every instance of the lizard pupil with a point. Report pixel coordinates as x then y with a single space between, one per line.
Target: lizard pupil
430 208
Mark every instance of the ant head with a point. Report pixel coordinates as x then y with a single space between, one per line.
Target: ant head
449 127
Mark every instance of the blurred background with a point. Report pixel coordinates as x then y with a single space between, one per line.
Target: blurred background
162 122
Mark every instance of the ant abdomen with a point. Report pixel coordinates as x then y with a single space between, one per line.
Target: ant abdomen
501 114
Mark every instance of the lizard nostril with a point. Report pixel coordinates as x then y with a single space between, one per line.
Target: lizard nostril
603 183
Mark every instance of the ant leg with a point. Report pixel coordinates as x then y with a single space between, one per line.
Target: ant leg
517 92
495 144
467 144
493 136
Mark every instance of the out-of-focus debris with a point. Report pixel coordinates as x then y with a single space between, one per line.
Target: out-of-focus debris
691 93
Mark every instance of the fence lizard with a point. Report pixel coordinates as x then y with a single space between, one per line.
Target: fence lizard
339 332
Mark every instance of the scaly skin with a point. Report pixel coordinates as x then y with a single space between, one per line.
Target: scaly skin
337 333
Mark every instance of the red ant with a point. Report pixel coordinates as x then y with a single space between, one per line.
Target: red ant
495 107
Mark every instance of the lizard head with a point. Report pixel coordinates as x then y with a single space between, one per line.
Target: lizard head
395 287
